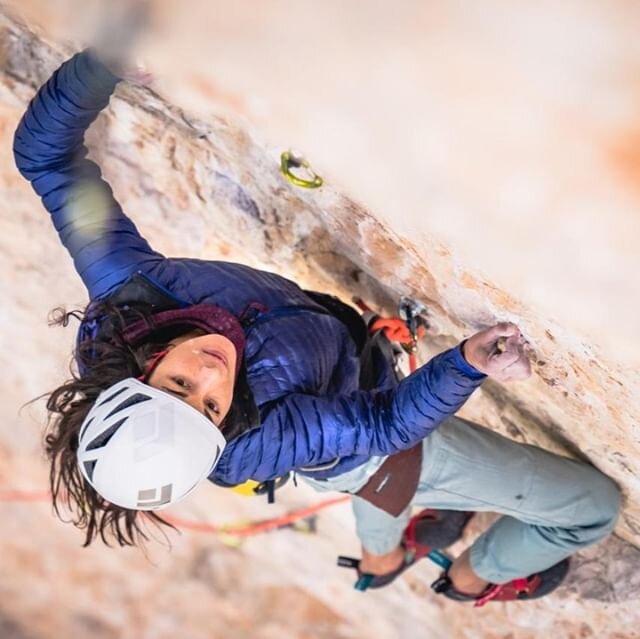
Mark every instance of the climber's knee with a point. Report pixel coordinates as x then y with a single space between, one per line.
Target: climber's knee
609 502
603 506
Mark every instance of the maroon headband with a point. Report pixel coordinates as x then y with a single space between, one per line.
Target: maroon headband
207 317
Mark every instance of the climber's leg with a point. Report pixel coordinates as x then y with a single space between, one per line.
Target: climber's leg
553 505
378 531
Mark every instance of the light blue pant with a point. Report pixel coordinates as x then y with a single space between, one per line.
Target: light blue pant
552 506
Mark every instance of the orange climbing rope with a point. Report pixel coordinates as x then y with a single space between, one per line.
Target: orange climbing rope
235 530
257 527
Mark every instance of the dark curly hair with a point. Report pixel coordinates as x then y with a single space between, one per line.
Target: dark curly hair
97 364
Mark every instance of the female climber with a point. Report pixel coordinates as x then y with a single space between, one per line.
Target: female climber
190 370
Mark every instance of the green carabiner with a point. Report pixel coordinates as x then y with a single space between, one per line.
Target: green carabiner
288 160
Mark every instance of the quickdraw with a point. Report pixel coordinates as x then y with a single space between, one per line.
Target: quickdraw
289 160
406 329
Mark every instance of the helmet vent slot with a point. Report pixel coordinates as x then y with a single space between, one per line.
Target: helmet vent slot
89 467
130 401
103 438
108 399
84 428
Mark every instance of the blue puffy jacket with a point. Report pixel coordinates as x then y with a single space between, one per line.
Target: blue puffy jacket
301 363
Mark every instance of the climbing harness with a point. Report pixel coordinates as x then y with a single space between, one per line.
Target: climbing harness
289 160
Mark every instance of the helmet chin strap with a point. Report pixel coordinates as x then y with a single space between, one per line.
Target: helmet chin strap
152 364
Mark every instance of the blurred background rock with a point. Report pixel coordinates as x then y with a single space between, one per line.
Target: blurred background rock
505 134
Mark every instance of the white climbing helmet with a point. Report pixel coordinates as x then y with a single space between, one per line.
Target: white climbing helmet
144 449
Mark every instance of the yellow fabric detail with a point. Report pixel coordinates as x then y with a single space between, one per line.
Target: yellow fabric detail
247 488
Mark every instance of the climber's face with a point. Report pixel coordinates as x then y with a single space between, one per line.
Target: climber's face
201 371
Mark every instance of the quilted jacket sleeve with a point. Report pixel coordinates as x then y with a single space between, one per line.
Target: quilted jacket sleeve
49 151
304 430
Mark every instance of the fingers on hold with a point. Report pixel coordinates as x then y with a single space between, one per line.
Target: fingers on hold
508 345
513 342
504 359
519 370
524 370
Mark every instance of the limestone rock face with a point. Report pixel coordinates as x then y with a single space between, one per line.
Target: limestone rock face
206 188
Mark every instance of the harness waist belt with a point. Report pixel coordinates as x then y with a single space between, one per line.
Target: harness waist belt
392 487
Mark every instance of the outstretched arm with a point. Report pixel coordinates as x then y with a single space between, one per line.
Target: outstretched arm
303 430
49 151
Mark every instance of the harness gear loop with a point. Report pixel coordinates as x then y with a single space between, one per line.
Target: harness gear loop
289 159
